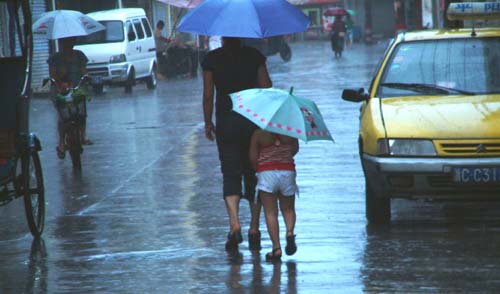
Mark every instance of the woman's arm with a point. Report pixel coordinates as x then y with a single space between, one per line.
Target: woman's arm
263 79
253 154
208 104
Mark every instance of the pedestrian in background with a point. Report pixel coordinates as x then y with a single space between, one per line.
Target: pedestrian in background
338 34
349 24
271 156
161 47
228 69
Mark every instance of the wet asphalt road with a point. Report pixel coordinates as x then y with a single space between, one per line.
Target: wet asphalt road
146 214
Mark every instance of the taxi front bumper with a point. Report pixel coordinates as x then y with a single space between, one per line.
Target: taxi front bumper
446 178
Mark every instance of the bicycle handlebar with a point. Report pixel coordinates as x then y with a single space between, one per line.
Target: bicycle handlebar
83 80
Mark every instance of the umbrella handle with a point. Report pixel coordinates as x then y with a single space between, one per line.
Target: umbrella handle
291 90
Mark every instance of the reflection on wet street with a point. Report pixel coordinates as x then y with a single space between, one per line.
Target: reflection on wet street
146 215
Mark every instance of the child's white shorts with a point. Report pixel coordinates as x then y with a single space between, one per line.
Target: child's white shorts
277 181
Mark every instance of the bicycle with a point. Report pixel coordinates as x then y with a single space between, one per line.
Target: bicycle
20 166
71 105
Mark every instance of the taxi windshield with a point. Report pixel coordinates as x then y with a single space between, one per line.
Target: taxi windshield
469 66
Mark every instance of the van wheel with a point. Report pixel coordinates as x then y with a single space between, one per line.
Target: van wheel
285 52
129 84
151 81
378 208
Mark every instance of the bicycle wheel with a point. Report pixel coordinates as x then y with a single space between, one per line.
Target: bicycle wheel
74 146
33 192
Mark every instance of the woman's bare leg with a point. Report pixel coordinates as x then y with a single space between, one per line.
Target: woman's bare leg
232 206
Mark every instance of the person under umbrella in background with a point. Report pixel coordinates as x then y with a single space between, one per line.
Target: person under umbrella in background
338 34
229 69
67 67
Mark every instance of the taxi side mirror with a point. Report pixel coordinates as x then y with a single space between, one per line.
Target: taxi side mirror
355 95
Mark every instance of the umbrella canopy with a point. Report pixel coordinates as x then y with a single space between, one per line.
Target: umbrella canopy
336 11
60 24
244 18
281 112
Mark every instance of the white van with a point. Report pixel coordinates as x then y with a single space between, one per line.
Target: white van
123 53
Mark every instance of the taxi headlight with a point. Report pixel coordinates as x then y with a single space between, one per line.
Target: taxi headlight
117 58
405 147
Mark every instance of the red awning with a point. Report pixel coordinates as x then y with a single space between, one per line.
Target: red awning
312 2
182 3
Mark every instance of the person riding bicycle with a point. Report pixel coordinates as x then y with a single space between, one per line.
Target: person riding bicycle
67 67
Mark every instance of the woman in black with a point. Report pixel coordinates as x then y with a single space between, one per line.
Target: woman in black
229 69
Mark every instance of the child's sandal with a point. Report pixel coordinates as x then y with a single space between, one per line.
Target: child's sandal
273 256
291 246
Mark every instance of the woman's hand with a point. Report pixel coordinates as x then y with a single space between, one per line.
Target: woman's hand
210 131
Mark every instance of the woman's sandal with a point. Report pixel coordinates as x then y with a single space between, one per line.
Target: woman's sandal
60 153
87 142
291 246
254 241
272 256
233 239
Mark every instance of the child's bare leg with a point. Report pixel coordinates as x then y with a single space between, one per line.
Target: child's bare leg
255 209
287 207
270 203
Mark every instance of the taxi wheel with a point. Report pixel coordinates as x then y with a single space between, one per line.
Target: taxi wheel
378 209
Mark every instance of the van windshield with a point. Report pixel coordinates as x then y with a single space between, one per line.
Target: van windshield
112 33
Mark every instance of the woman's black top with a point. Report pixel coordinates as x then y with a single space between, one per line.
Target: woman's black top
232 72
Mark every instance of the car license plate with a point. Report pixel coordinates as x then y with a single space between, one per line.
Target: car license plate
476 175
97 80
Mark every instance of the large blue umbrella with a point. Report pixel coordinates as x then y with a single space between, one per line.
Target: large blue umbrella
244 18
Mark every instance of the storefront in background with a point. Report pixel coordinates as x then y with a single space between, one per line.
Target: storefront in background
314 9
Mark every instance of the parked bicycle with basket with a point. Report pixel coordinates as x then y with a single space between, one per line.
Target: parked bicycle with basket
20 167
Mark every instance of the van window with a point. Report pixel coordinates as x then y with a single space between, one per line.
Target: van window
138 28
130 32
112 33
147 27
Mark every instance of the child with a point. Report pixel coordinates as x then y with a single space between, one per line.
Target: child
271 156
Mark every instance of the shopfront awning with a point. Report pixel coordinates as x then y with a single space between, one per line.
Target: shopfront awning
313 2
182 3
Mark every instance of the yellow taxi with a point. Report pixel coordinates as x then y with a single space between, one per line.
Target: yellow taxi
430 121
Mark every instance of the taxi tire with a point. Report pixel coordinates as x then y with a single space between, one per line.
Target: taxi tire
378 209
